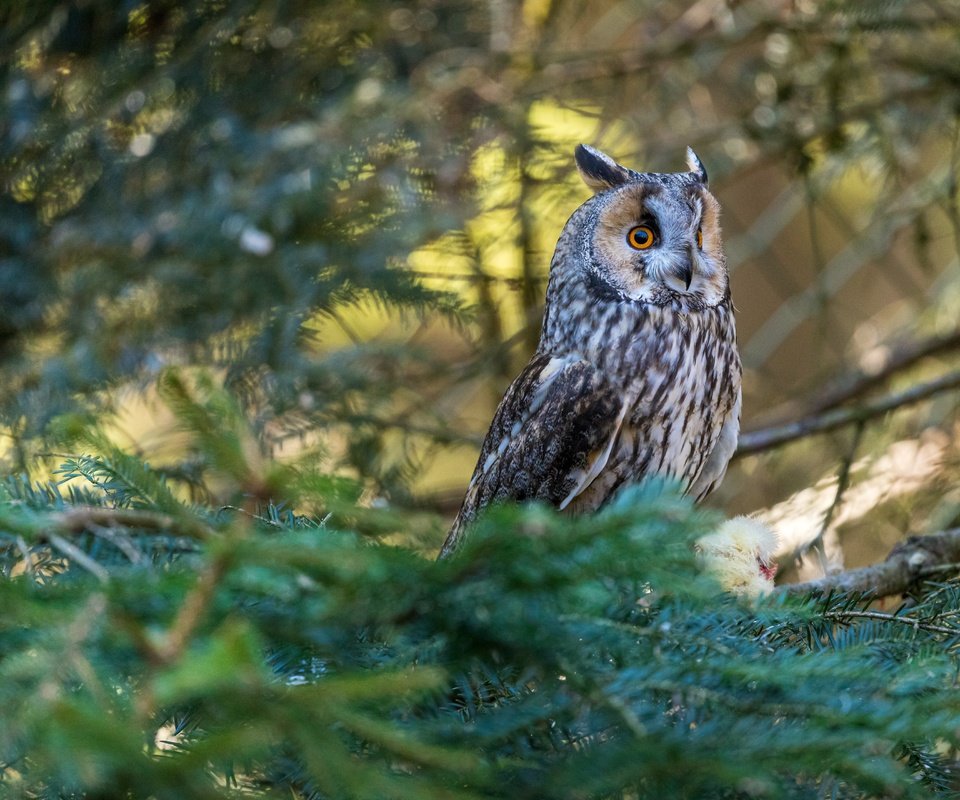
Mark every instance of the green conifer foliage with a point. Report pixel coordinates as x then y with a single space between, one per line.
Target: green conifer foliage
196 183
149 648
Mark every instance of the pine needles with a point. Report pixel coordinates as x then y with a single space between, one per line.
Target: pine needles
553 658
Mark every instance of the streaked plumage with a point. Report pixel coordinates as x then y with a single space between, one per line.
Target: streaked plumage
637 371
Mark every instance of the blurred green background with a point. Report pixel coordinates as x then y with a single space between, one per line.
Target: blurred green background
346 210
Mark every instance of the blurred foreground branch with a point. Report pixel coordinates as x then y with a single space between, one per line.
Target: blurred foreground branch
81 519
777 435
917 558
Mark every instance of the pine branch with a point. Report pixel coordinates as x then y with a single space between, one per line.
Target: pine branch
193 610
777 435
73 552
84 518
108 523
909 562
913 622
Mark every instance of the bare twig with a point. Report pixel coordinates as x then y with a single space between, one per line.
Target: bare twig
77 555
27 556
197 603
84 518
917 558
913 622
777 435
843 481
901 357
193 609
107 523
121 542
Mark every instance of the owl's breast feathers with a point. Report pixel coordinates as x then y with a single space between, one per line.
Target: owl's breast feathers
654 398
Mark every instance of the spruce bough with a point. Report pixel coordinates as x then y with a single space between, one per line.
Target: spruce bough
153 648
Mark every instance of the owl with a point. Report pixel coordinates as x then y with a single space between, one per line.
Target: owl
637 372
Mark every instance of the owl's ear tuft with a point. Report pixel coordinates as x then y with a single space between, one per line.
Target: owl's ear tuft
598 170
695 165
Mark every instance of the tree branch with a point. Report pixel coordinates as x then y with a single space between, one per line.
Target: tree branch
777 435
849 386
903 619
901 357
112 524
82 518
193 609
909 562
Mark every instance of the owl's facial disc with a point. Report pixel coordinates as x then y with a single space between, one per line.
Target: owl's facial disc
655 244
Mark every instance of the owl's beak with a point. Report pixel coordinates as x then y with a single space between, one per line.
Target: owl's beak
685 273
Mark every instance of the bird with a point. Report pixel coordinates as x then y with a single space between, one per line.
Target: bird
740 555
637 372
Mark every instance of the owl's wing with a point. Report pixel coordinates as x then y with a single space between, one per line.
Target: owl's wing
550 436
715 467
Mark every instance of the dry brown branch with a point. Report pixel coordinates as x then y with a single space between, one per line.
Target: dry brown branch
193 610
73 552
111 524
903 619
917 558
900 358
777 435
852 385
83 518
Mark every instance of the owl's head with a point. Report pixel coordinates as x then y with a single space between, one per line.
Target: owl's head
650 237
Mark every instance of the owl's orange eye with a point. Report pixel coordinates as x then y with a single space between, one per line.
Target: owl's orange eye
700 238
640 238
